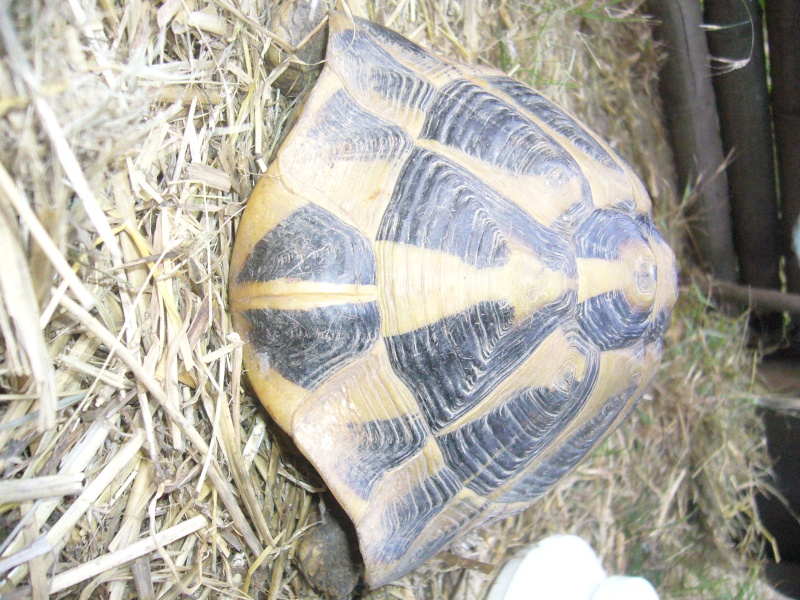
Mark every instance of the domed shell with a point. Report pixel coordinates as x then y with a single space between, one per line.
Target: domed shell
451 292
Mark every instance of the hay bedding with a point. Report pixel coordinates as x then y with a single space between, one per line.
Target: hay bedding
134 463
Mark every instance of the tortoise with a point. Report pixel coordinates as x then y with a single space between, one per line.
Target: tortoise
450 290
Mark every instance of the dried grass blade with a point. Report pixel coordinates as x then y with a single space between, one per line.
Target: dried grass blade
36 565
47 486
39 547
224 4
244 482
83 502
141 493
13 359
43 239
167 11
146 379
75 462
21 306
213 178
143 579
112 560
103 374
207 22
52 127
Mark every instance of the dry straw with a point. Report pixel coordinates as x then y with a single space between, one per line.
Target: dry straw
134 463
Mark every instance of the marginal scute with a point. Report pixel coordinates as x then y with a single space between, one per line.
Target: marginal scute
609 176
451 292
620 310
407 51
603 233
356 191
424 507
433 531
610 321
388 443
371 75
658 325
408 514
555 118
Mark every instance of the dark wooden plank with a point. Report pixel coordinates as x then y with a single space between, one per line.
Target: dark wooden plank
736 41
693 126
783 31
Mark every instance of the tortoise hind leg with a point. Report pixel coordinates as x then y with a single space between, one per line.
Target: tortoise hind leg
328 554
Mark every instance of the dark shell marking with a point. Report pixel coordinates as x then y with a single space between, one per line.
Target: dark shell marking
454 313
488 451
311 245
469 219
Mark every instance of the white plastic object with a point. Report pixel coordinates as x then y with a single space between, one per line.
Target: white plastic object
560 567
564 567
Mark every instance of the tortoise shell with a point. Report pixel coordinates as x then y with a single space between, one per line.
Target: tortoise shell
450 289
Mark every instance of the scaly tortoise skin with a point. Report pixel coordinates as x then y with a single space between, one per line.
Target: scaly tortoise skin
451 292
